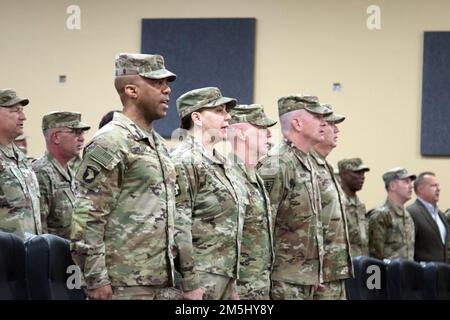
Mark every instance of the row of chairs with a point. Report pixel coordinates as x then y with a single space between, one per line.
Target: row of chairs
397 279
36 269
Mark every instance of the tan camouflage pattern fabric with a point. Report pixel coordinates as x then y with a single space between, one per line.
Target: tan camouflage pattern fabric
146 65
217 287
337 263
146 293
257 239
19 194
293 189
299 101
391 232
358 226
288 291
208 97
9 98
210 211
61 119
58 195
123 222
252 113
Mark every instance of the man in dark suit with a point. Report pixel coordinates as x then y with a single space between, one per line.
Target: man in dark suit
430 224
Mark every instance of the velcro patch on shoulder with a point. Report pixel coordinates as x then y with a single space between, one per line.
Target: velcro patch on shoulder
101 155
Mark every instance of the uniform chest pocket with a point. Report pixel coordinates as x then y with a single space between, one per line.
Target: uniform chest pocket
64 191
13 185
301 195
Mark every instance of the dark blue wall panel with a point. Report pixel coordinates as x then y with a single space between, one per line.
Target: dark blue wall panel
203 52
435 134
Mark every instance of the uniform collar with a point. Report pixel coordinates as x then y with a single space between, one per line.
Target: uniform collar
65 173
137 132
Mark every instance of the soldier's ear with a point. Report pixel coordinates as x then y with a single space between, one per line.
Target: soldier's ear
131 90
54 137
196 118
297 124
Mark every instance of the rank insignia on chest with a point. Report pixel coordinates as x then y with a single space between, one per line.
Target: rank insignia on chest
268 184
177 190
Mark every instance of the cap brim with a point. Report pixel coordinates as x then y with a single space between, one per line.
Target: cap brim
361 168
81 125
15 101
335 118
264 122
319 109
228 102
160 74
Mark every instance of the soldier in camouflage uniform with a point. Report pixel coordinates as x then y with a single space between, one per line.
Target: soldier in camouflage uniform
64 138
210 203
19 188
21 143
290 179
337 262
391 228
123 223
351 173
249 138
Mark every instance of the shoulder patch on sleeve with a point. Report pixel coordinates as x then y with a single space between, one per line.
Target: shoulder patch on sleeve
90 173
101 155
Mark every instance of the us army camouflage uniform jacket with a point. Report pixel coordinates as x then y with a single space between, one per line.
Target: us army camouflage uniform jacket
57 188
337 262
210 210
123 223
357 226
19 194
295 200
257 239
391 232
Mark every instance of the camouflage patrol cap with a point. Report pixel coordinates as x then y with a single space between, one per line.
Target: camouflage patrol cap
253 114
9 98
208 97
333 117
146 65
352 164
397 173
297 102
63 119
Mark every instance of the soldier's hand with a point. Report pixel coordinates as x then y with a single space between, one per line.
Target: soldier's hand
235 295
102 293
196 294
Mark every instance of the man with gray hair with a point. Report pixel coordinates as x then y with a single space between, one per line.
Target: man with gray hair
19 203
292 185
391 228
337 263
431 243
249 137
64 139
